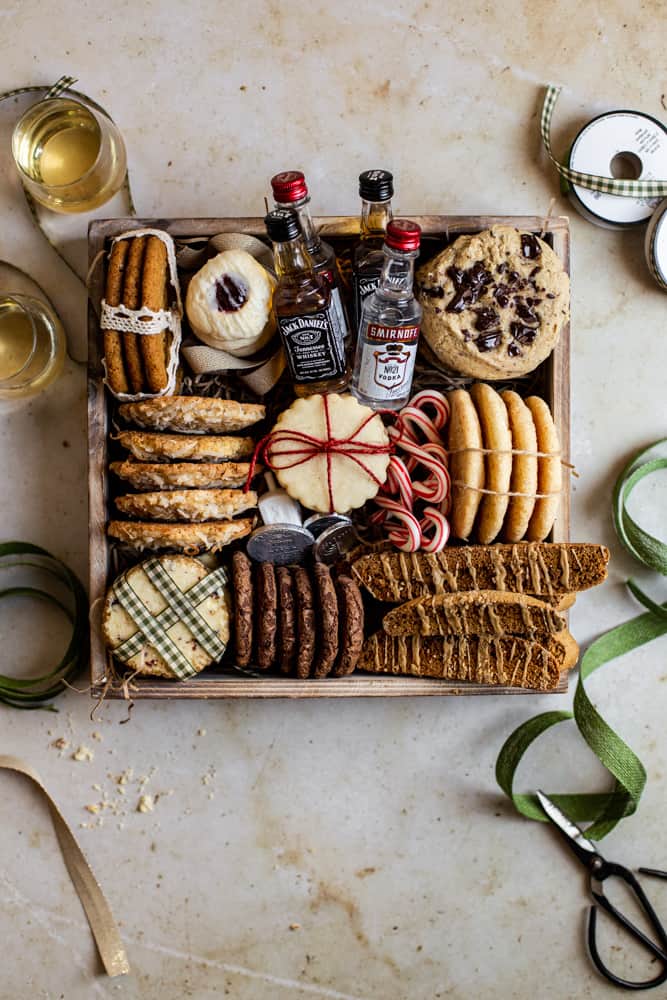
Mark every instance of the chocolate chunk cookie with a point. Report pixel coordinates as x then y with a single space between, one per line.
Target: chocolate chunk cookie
305 617
267 615
351 618
286 619
494 303
243 603
327 609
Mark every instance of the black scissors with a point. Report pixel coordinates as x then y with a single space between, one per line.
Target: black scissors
599 869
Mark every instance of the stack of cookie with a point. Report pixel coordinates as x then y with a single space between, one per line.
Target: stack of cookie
190 478
487 614
505 465
299 621
137 276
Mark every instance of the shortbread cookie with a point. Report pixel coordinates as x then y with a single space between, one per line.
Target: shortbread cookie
549 471
327 481
192 414
192 475
327 620
351 621
494 303
210 536
478 612
113 350
149 447
243 607
497 440
545 569
524 467
306 625
132 299
266 599
466 461
286 619
508 661
187 505
119 625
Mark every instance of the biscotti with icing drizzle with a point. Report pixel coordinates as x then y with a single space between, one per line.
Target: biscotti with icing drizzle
508 661
546 569
478 612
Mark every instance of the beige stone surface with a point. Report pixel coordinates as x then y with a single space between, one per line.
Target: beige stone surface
357 850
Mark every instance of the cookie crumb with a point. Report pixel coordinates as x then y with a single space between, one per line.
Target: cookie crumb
93 807
83 753
96 736
145 804
295 927
61 743
201 732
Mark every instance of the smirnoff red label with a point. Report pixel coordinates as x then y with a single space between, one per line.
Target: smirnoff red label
388 356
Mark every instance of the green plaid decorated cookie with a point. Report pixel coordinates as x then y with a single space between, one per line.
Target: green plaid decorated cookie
168 616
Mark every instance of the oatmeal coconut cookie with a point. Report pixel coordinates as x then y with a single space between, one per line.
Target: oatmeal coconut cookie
494 303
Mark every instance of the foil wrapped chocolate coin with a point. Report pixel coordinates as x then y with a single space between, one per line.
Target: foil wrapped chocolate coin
281 544
318 523
335 542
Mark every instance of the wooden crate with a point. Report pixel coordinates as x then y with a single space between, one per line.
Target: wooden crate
232 685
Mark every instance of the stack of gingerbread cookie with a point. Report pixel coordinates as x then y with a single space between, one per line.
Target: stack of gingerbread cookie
300 621
505 465
189 478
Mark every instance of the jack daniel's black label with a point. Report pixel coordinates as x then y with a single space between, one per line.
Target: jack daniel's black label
364 285
311 344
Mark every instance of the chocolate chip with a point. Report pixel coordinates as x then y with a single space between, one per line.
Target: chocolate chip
488 341
524 334
513 277
468 285
530 247
525 313
467 335
502 267
550 295
514 350
536 270
501 295
485 318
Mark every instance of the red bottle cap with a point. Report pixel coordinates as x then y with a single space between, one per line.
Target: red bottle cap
403 235
289 186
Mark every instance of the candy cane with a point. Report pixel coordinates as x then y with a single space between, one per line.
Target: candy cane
430 397
398 481
407 535
440 536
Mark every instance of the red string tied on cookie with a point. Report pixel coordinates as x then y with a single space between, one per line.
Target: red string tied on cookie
308 447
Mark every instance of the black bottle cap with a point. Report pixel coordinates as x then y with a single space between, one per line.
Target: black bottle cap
376 185
282 224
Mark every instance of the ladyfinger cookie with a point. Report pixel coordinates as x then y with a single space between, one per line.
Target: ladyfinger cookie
154 347
113 352
132 299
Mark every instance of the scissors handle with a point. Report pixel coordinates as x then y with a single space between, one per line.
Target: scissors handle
607 870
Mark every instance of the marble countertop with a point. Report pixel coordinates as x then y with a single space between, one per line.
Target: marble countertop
354 849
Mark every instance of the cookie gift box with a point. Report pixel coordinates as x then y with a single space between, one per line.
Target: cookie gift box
113 477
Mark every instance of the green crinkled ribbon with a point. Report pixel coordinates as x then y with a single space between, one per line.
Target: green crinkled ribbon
35 691
606 809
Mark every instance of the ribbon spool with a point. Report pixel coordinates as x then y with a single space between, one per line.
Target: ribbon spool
623 145
655 245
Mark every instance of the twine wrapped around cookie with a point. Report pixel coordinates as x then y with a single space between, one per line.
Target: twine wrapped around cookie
308 447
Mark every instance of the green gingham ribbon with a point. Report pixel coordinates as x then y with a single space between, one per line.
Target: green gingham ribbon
594 182
153 628
605 810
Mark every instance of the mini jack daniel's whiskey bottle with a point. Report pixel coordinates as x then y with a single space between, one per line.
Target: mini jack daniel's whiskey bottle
389 327
302 303
376 189
291 191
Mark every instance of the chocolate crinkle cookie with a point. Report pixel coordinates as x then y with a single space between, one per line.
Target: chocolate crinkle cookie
494 303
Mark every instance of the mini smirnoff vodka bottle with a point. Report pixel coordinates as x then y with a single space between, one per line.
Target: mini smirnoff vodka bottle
389 327
291 191
304 311
376 188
